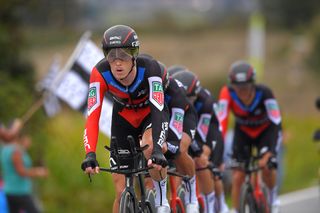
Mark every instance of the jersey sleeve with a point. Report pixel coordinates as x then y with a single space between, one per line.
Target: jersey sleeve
224 109
179 107
97 89
159 114
272 107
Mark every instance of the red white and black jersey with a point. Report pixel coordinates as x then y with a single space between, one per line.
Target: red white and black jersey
183 117
135 102
252 119
205 106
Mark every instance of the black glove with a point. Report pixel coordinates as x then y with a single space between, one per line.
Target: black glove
158 158
90 161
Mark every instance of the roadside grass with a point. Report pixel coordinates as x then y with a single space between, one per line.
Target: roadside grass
301 161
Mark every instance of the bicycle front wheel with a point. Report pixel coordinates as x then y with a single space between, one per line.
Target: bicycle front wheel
126 203
247 201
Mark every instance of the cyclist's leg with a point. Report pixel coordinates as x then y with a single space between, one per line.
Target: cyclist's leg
205 182
159 178
239 153
217 160
270 140
185 165
119 184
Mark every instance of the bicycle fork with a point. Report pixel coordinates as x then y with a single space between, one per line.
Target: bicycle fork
175 200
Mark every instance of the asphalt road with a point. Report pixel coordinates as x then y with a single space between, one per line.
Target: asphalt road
303 201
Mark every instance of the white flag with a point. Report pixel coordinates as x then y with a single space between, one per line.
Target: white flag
73 90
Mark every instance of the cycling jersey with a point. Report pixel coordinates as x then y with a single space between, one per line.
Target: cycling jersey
183 117
134 103
205 107
252 119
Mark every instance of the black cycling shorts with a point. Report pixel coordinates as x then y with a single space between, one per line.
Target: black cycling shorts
268 140
121 128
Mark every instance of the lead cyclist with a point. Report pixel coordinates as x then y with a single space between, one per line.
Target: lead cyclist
136 87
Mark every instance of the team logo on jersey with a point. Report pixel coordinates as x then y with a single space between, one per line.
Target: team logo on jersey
156 92
221 109
273 110
203 125
93 97
176 122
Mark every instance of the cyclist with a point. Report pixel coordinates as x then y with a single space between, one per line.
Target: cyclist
138 108
182 128
202 147
257 122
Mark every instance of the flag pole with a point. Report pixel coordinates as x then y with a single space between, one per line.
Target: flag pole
37 104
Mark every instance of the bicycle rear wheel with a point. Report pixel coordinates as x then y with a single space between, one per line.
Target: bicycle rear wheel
126 203
247 201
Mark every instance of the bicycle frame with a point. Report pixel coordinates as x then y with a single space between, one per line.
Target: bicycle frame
253 184
139 171
175 200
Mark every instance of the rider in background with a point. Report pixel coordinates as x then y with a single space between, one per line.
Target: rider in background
138 109
257 122
201 148
182 128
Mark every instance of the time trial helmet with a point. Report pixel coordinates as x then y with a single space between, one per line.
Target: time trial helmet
241 72
121 36
189 81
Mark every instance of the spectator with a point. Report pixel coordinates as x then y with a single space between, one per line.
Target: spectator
17 172
7 134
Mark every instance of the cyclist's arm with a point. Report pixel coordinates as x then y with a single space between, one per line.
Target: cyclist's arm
272 107
159 117
96 93
224 109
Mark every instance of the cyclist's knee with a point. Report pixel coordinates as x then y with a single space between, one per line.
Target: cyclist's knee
238 177
119 185
185 143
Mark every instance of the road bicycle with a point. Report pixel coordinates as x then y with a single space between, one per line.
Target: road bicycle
176 201
214 170
129 201
253 194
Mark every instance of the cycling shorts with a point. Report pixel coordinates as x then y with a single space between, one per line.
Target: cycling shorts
269 140
120 129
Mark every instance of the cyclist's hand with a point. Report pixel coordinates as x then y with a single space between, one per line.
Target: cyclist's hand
157 160
264 160
90 165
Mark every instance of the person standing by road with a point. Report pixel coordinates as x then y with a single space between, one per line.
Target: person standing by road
17 173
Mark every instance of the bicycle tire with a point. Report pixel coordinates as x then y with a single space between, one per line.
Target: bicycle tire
247 201
126 203
201 204
181 194
179 209
264 203
150 198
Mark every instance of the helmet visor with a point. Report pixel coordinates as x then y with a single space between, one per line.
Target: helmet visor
123 54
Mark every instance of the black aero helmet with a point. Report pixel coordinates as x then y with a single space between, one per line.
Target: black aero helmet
164 74
176 68
120 36
241 72
189 81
